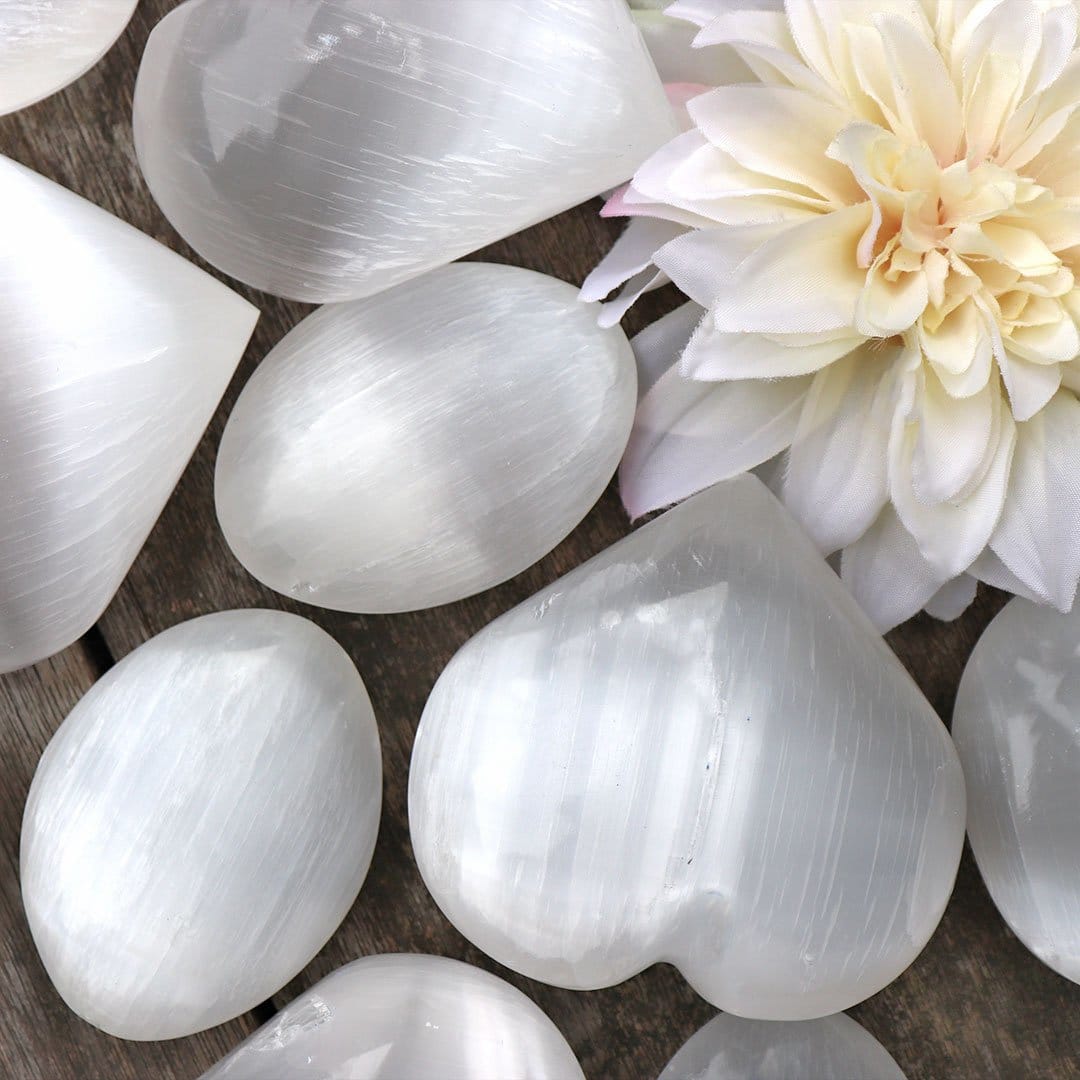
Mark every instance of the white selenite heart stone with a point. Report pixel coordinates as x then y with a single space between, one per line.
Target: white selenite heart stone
832 1048
405 1017
201 823
1017 730
114 353
328 149
46 44
419 446
692 749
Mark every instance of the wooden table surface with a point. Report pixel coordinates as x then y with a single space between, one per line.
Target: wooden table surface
975 1004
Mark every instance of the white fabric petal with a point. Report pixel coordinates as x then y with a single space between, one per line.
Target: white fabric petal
1036 538
658 346
612 312
990 569
805 280
688 435
629 255
836 482
1030 386
670 44
887 573
953 598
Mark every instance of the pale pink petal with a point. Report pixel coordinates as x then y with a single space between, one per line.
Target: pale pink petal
953 598
1036 538
836 482
688 435
887 573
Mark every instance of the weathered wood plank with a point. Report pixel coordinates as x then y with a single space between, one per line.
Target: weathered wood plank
40 1038
976 1004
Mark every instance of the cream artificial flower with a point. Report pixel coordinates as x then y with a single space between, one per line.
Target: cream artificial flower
876 215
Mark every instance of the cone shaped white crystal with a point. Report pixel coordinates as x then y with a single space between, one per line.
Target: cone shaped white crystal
115 354
401 1016
328 149
421 445
1017 730
832 1048
201 823
44 46
694 749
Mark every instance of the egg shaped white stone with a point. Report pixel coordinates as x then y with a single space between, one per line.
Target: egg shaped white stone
1017 729
419 446
695 749
46 44
405 1017
831 1048
115 352
201 823
328 149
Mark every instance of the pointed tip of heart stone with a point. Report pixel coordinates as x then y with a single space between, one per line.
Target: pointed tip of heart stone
326 151
693 748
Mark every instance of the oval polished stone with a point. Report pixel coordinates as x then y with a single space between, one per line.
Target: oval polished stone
399 1017
832 1048
328 149
419 446
45 44
116 352
695 749
201 823
1017 729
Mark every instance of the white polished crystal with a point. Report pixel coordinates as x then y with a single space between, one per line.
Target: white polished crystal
421 445
1017 730
46 44
201 823
328 149
693 749
405 1017
832 1048
115 352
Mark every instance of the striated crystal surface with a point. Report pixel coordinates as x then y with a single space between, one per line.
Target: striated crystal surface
46 44
399 1017
115 354
418 446
328 149
1017 729
693 749
832 1048
201 823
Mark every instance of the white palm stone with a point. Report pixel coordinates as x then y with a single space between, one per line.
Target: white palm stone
115 352
832 1048
46 44
405 1017
421 445
328 149
692 749
1017 730
201 823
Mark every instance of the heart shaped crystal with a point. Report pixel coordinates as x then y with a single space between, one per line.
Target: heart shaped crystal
832 1048
328 149
694 749
416 447
46 45
116 352
201 823
399 1017
1017 730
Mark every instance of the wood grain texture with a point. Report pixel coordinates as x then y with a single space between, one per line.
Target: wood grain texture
976 1004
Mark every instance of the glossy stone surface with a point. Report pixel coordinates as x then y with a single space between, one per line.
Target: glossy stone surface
115 354
201 823
1017 730
399 1017
419 446
694 749
328 149
46 44
832 1048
